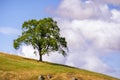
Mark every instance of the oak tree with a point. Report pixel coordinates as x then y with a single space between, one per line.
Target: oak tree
43 35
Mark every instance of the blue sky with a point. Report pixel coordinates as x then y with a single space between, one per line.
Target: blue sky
96 21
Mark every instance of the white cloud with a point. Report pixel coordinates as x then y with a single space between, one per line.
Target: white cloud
115 15
99 33
28 51
9 30
76 9
55 57
115 2
88 60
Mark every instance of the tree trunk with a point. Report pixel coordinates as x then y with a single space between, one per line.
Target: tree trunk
40 56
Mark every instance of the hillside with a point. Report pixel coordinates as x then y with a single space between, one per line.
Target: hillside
18 68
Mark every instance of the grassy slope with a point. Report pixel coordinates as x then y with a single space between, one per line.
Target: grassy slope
18 68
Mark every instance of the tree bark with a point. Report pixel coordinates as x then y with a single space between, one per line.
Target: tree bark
40 55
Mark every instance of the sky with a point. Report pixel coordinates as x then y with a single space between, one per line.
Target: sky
91 28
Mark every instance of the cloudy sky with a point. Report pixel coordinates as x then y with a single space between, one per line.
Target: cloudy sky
91 28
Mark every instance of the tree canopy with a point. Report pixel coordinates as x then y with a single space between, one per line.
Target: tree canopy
43 35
